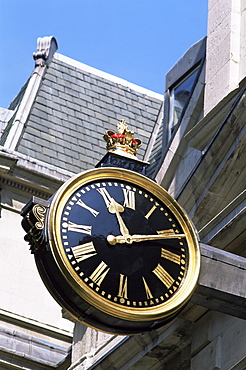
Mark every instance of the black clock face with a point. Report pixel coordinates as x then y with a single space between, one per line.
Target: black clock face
126 247
128 271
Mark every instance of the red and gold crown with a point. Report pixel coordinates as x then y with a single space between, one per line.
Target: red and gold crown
122 142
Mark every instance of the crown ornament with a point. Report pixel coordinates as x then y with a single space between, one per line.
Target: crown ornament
123 142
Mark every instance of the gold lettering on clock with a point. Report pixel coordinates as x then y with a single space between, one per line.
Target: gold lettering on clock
91 210
129 198
164 276
84 251
170 256
105 194
150 212
147 290
71 226
166 232
99 273
123 286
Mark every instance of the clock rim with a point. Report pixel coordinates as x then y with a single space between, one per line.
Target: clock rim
188 284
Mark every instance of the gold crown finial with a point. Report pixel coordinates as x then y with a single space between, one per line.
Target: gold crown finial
122 142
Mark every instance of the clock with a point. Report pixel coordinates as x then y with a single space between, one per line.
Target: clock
121 256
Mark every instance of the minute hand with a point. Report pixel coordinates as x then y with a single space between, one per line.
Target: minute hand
129 239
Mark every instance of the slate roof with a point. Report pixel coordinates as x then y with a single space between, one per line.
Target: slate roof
73 108
5 116
156 153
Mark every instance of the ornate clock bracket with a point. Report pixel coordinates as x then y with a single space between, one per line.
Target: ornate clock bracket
33 223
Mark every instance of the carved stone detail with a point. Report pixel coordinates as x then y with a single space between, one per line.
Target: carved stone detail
46 47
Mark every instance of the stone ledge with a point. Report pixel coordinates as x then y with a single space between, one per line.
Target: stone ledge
25 347
222 282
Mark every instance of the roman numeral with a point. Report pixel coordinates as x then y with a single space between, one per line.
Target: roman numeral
164 276
71 226
166 232
106 197
147 290
170 256
83 205
123 286
150 212
99 273
129 198
84 251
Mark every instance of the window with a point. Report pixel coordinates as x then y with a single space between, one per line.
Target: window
179 95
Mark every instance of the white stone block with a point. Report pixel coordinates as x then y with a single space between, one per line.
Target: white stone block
233 347
224 50
208 358
210 326
22 291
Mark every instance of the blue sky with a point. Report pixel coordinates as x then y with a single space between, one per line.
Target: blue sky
137 40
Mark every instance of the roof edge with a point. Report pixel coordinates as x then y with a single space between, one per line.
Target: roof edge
46 48
34 165
186 62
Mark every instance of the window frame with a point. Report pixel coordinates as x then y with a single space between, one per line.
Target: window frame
192 60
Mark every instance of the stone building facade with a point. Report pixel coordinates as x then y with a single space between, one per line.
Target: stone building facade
194 140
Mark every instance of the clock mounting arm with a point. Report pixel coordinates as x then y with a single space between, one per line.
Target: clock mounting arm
33 223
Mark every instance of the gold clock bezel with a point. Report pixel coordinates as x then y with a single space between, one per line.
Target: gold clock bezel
188 284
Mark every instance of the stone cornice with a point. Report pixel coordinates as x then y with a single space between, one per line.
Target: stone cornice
25 188
29 175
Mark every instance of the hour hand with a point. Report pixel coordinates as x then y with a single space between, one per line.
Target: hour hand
117 208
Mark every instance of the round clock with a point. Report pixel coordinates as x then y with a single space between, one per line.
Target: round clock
123 256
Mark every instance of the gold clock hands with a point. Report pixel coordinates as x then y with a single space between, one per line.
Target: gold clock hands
117 208
129 239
